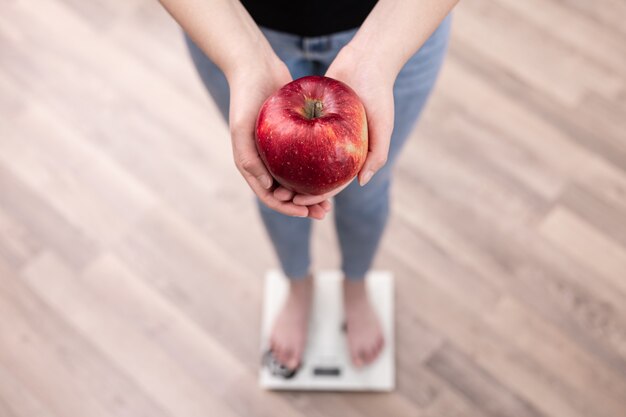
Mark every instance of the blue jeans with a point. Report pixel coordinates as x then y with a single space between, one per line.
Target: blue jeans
360 213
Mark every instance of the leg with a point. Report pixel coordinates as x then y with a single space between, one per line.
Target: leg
290 236
361 213
356 205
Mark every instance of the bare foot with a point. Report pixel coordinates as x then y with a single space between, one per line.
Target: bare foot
289 331
365 335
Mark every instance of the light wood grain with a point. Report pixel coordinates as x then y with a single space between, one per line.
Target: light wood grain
132 253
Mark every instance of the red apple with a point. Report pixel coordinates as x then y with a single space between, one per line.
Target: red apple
312 134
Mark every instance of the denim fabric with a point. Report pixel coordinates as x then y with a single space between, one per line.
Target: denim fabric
360 213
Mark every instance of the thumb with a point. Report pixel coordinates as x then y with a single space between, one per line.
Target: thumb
380 130
251 165
247 157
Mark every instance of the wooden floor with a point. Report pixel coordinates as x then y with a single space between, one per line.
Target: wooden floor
131 253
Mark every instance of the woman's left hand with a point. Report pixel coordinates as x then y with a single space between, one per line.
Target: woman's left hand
374 86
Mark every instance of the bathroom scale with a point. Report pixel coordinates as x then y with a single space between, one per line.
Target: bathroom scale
326 363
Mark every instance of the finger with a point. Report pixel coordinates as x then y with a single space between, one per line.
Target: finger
326 205
308 200
267 197
283 194
317 212
246 155
253 165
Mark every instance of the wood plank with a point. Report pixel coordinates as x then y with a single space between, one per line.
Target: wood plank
526 285
556 120
130 344
537 58
105 199
463 326
199 276
583 36
611 15
587 245
61 372
481 388
509 256
16 400
42 223
553 350
607 217
493 151
450 405
17 245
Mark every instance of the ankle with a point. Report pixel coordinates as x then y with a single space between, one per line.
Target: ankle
354 285
300 278
301 286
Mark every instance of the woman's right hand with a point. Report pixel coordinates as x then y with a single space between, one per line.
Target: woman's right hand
250 85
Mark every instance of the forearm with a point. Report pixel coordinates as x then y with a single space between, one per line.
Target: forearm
396 29
224 31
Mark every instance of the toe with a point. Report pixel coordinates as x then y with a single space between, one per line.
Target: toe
356 358
296 359
363 357
373 354
381 344
287 355
277 352
379 348
292 362
366 355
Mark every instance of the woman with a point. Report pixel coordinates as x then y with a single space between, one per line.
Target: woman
390 53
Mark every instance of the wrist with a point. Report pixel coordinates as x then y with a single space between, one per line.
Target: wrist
369 67
244 63
354 56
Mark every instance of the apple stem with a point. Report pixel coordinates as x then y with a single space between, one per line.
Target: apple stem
317 109
313 109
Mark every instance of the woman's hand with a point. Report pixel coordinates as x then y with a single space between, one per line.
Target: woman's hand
369 64
249 87
374 86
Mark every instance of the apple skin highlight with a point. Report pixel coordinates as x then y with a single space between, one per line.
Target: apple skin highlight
312 134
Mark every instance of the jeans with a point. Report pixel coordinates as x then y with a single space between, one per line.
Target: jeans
360 213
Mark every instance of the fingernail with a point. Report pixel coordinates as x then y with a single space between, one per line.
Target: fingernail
265 181
366 177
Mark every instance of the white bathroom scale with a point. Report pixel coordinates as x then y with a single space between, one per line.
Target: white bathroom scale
326 364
